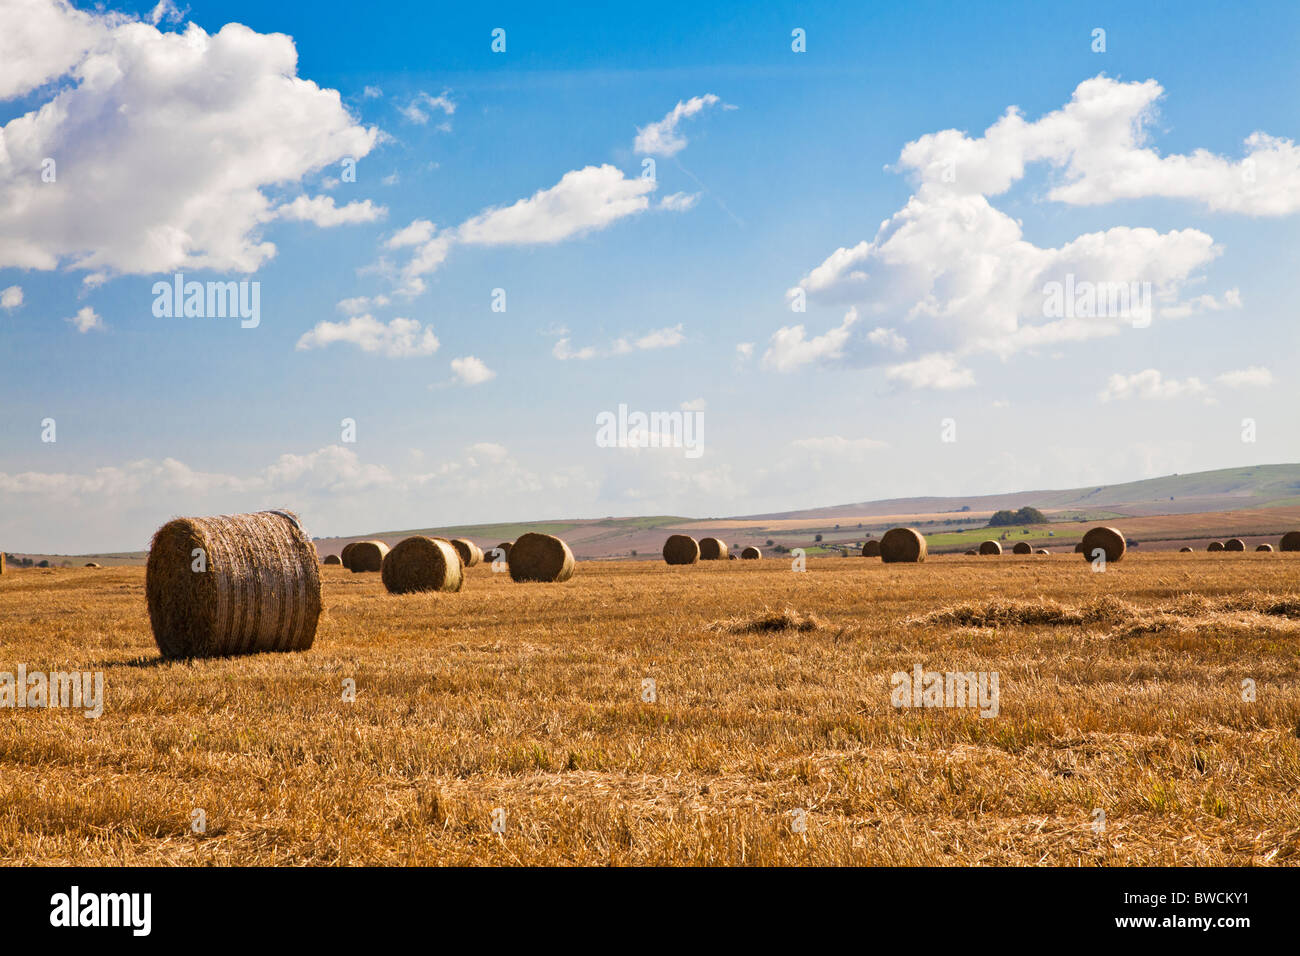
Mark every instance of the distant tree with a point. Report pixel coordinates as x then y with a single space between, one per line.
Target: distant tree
1025 515
770 542
837 527
634 554
817 538
43 564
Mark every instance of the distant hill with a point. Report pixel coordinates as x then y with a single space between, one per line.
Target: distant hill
1259 500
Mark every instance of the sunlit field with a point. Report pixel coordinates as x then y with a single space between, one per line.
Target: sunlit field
767 735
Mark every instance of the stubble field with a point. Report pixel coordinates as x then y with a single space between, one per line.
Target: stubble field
524 704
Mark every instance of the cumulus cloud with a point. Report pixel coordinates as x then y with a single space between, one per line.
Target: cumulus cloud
362 303
87 320
953 275
11 298
583 200
400 338
418 109
679 202
936 371
471 371
191 127
1254 377
661 138
1151 385
664 338
321 211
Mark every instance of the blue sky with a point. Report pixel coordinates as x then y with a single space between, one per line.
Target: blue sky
180 147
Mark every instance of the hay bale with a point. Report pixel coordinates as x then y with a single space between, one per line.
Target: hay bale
902 545
1109 540
1264 547
1290 541
972 552
713 549
751 554
681 549
1042 551
990 547
422 564
731 557
1184 550
1215 546
257 588
2 562
504 547
368 556
91 564
470 553
541 557
332 559
1078 548
871 549
1234 544
1022 547
346 555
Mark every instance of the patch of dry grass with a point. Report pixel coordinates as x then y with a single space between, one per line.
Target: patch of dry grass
1119 691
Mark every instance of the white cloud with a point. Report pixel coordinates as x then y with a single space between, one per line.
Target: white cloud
936 370
679 202
417 233
564 352
400 338
11 298
583 200
791 348
661 138
321 211
372 92
417 111
1150 385
745 351
165 10
190 127
1254 377
87 320
664 338
471 371
361 303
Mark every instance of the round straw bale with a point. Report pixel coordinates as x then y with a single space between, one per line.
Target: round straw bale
1264 547
871 549
1042 551
1078 548
234 584
905 545
990 547
713 549
972 552
332 559
470 553
1234 544
368 556
681 549
731 557
1290 541
751 553
1022 547
541 557
2 562
346 554
504 547
422 564
1215 546
1184 550
91 564
1109 540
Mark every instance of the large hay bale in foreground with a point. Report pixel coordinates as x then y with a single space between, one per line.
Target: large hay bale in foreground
1290 541
871 549
713 549
332 559
902 545
253 586
681 549
1234 544
1022 547
541 557
1109 540
1184 550
990 547
1215 546
1264 547
422 564
368 556
470 553
751 554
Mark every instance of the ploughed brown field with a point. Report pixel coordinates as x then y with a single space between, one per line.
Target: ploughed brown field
1120 692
